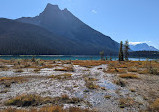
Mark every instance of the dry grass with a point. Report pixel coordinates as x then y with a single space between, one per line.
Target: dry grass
107 96
116 70
129 76
19 71
48 66
91 79
62 76
132 90
143 71
26 100
7 81
142 67
91 85
28 63
37 70
103 88
155 106
126 102
4 91
3 68
66 69
120 82
132 69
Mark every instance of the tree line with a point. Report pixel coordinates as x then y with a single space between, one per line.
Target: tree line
123 52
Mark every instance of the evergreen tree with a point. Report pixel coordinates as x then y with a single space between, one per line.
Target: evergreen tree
121 55
102 55
126 50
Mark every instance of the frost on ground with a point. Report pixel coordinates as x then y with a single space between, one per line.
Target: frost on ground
90 84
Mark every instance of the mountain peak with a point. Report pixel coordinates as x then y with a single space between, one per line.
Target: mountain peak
52 7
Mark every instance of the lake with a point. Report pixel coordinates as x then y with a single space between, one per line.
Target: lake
62 57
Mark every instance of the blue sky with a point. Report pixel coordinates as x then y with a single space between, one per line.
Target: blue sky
135 20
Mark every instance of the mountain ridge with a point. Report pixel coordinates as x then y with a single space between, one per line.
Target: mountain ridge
74 36
142 47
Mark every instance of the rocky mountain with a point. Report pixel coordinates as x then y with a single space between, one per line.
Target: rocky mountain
58 31
142 47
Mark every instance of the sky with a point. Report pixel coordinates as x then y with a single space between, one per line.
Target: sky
133 20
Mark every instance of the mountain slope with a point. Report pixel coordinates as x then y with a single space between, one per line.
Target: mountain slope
142 47
65 24
21 38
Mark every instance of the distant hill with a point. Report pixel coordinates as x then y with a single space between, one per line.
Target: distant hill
142 47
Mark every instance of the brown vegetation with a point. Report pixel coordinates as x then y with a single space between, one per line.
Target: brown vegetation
120 82
26 100
126 102
66 69
18 71
142 67
129 75
61 76
107 96
155 106
90 83
7 81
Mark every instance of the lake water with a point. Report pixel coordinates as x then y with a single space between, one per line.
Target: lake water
63 57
